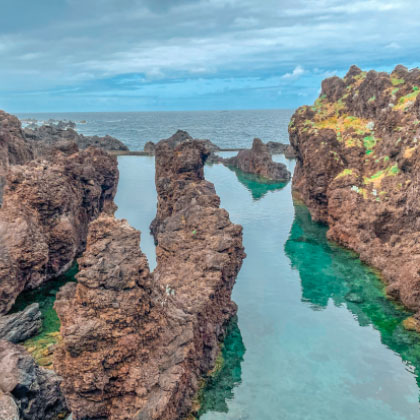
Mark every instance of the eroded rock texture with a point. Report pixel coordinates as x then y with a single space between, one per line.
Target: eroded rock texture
258 161
358 163
179 137
135 344
14 148
27 391
47 206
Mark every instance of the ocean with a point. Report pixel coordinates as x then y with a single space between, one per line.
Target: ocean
227 129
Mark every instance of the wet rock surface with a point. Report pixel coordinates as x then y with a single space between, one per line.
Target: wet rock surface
258 161
22 325
33 391
357 169
136 344
47 206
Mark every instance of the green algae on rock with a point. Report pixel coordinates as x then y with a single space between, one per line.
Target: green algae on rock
358 165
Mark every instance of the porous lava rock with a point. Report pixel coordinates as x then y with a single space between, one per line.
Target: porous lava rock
135 345
258 161
358 170
47 207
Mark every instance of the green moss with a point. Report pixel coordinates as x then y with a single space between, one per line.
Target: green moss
395 90
395 81
345 172
372 99
40 345
369 142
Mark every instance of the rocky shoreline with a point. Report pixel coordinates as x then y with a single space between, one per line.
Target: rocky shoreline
357 170
142 341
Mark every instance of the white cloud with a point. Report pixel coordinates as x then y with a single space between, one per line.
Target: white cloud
295 74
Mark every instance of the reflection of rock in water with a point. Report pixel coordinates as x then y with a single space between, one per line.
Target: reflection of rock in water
257 186
329 272
219 388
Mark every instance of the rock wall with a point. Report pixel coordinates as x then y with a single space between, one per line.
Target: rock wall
358 170
47 206
135 344
258 161
14 148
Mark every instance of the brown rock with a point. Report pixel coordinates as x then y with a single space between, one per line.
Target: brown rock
14 149
47 207
258 161
357 169
134 344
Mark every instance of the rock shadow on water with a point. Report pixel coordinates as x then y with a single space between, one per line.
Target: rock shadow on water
219 388
329 272
256 185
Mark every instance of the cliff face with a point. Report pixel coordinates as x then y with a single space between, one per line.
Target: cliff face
47 206
258 161
14 149
135 344
358 170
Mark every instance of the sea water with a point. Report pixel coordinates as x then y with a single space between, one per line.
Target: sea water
315 337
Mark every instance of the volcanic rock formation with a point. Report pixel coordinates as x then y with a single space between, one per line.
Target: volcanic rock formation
47 206
358 169
284 149
27 391
135 344
179 137
47 136
14 148
258 161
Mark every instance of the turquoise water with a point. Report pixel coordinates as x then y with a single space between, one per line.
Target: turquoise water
315 337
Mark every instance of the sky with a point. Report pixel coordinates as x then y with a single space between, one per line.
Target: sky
147 55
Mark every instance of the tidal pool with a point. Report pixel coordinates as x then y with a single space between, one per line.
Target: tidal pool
315 337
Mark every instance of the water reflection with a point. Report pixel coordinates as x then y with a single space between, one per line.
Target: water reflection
257 186
219 388
331 273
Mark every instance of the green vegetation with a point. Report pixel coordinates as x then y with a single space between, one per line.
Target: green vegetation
395 81
369 142
377 177
345 172
405 101
372 99
42 344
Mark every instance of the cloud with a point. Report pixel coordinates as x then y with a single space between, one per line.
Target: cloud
296 73
56 46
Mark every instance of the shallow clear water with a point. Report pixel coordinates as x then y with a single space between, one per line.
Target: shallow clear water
315 337
228 129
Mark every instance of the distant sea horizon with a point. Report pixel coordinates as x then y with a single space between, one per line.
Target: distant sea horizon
226 128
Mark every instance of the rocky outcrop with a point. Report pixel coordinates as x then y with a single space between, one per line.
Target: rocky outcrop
258 161
27 391
14 148
281 148
179 137
21 325
135 344
48 136
47 206
357 169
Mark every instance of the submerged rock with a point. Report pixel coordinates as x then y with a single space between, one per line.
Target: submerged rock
258 161
140 341
21 325
35 391
47 206
358 166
